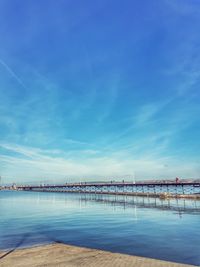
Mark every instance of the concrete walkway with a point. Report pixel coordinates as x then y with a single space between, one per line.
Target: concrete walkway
60 255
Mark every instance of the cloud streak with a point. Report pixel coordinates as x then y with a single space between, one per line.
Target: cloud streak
12 73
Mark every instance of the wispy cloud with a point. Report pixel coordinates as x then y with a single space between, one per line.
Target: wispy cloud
76 142
38 165
112 91
149 112
12 73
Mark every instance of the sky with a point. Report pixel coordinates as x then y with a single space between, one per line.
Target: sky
99 90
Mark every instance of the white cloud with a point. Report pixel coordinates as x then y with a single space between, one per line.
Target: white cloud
37 165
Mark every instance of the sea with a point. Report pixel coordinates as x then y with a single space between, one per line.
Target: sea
148 227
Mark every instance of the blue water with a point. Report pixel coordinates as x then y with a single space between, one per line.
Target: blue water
167 230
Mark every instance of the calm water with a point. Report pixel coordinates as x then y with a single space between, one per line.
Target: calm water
167 230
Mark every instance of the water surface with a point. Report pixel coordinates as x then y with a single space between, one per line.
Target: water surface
167 230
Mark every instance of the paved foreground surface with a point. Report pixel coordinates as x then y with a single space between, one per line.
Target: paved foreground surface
60 255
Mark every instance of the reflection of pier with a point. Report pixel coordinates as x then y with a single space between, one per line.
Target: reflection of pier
179 205
157 189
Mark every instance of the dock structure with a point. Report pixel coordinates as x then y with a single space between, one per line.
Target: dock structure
152 189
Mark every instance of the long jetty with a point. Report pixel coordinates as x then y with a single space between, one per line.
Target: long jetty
163 189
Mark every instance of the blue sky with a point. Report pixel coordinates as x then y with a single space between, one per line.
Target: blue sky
99 89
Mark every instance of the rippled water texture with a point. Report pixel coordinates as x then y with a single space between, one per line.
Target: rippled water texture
167 230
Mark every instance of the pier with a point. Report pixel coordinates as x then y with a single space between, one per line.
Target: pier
162 189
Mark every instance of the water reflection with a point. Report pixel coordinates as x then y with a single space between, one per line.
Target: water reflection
177 206
180 206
